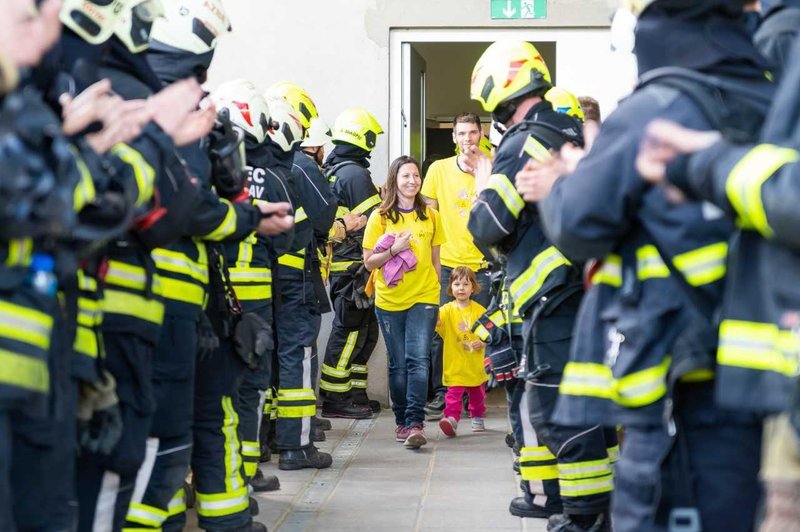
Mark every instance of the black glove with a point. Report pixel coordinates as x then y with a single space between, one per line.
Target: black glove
360 298
99 416
502 363
207 340
253 339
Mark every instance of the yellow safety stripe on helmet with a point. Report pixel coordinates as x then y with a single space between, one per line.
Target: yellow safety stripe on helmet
143 173
86 342
19 252
503 187
143 514
367 204
536 149
587 379
359 368
613 454
758 346
743 186
584 487
183 291
300 215
357 383
259 292
587 469
116 302
226 227
84 192
221 504
24 372
297 411
703 265
178 503
343 266
649 264
130 276
610 272
533 278
176 262
292 261
335 372
250 275
230 426
25 325
642 387
335 388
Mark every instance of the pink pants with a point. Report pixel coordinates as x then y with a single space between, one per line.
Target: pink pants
476 396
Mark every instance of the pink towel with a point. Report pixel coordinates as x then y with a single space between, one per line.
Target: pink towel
395 267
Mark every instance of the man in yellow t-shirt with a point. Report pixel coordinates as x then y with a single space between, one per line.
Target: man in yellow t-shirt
449 187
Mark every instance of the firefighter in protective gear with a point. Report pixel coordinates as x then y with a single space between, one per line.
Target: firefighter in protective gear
643 352
756 363
48 350
178 51
354 334
510 80
297 318
239 313
317 201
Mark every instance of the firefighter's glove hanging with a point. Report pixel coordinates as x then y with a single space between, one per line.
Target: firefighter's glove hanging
253 339
360 297
207 339
99 416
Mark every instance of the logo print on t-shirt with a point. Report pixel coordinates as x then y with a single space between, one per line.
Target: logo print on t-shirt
463 202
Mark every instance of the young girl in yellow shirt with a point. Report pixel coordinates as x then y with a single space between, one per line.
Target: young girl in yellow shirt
463 353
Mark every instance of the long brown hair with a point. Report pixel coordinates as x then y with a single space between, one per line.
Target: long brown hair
389 206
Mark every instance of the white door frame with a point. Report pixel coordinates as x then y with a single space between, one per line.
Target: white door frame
578 48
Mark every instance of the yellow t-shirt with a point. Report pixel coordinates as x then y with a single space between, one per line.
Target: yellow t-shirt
455 192
420 285
462 365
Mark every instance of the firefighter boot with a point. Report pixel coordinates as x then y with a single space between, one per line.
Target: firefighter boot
308 457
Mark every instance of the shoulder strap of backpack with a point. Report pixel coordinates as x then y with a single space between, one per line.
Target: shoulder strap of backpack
330 173
708 93
783 20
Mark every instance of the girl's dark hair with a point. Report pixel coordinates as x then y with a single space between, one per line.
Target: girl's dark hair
389 206
462 272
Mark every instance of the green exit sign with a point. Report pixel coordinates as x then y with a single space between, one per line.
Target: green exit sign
519 9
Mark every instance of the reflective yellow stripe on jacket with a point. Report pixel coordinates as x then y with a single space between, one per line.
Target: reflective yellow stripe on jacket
636 389
533 278
758 346
183 279
142 171
502 186
743 186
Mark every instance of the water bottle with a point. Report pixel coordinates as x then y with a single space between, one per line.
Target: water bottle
42 278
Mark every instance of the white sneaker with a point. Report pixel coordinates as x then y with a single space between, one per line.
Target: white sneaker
478 425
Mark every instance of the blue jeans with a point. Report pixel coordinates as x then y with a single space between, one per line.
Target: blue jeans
408 334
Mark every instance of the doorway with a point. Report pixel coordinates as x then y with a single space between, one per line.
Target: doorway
430 72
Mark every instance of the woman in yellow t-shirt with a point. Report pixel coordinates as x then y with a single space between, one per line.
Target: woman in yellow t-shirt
406 291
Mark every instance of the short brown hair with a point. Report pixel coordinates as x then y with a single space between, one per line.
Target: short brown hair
466 118
462 272
591 109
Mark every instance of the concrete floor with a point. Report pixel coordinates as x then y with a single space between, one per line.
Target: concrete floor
375 483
